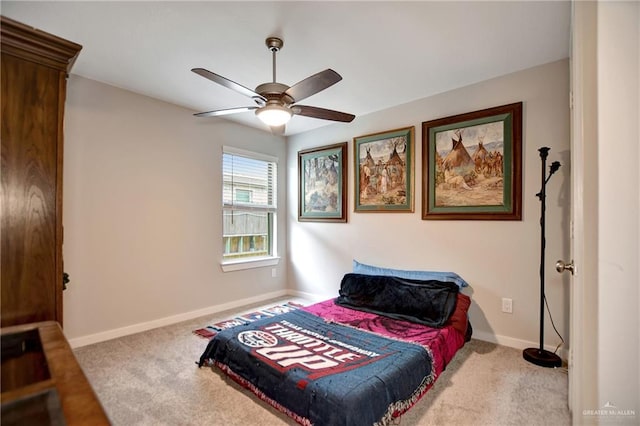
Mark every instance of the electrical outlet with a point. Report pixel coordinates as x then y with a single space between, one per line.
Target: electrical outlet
507 305
274 272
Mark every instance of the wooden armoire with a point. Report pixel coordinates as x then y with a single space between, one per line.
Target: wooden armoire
35 67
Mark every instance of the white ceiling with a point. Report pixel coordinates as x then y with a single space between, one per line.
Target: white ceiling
388 53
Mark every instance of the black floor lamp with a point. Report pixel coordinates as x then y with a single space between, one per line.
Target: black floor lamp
540 356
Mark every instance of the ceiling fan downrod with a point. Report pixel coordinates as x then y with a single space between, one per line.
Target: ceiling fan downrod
274 44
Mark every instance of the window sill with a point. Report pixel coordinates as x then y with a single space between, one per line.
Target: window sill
237 265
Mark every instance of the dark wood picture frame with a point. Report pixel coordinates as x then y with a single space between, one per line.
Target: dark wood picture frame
383 171
322 184
472 165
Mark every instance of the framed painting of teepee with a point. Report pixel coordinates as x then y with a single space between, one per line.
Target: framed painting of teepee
472 165
384 171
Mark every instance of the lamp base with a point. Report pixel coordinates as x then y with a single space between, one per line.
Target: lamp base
541 357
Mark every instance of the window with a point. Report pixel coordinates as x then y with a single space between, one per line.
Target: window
249 205
243 195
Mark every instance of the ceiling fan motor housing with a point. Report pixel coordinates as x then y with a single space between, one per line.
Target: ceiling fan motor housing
275 91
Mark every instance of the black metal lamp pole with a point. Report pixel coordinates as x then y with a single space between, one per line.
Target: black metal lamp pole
540 356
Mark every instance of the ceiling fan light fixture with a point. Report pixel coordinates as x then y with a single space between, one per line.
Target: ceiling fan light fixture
274 115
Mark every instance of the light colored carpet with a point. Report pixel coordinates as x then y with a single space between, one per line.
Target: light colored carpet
151 379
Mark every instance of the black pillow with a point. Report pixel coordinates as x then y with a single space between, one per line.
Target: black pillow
425 302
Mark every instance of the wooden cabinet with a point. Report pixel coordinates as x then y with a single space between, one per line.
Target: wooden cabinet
42 382
34 72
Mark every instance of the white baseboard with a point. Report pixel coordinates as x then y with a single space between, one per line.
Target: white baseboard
77 342
309 296
149 325
515 343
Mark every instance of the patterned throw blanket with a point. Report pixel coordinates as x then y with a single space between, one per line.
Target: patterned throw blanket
325 373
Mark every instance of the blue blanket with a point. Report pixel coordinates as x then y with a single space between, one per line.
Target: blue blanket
323 373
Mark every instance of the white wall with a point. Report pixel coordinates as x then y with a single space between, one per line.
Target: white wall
498 258
618 71
142 206
142 190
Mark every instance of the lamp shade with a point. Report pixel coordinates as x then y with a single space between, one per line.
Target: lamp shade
274 115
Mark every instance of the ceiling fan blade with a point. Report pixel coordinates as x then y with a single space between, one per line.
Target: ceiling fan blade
224 111
277 130
321 113
312 85
260 100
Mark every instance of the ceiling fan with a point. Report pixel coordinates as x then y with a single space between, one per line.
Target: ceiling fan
275 102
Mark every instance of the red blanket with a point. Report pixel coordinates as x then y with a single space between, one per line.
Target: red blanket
442 342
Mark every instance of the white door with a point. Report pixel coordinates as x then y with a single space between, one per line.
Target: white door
583 293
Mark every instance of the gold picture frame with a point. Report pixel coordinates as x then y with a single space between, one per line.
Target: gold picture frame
384 169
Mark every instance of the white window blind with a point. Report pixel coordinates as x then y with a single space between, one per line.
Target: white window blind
242 175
